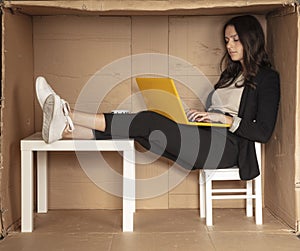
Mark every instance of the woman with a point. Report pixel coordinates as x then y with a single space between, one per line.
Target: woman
249 91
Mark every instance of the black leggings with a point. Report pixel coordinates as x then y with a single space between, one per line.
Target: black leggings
192 147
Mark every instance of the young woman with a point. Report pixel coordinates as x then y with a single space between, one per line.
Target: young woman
249 92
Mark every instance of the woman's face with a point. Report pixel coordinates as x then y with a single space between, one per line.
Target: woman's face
233 44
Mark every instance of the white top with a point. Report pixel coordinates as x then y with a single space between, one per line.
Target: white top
227 100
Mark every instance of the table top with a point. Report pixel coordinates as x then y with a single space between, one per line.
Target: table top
35 142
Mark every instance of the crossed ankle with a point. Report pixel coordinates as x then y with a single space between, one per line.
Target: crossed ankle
67 134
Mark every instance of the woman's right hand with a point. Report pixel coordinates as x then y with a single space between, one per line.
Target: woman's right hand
195 115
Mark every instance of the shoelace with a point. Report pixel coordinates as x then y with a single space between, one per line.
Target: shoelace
66 109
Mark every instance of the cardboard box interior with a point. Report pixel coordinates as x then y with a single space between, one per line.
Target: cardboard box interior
68 44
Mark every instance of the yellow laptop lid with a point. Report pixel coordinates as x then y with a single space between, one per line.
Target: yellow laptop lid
161 96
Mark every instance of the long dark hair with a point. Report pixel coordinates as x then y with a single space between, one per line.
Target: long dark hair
252 38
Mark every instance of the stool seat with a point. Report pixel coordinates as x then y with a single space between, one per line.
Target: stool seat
207 193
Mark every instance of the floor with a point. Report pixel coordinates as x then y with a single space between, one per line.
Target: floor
155 230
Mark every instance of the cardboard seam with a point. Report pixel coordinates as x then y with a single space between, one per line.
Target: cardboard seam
280 211
3 232
33 75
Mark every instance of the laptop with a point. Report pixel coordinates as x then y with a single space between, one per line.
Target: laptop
161 96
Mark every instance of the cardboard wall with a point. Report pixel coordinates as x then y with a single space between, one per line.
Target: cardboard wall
69 50
280 150
17 110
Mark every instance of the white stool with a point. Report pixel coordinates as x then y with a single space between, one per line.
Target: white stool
34 143
206 177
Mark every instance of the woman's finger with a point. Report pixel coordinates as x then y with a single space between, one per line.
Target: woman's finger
196 115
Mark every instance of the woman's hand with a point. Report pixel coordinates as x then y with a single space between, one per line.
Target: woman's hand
197 116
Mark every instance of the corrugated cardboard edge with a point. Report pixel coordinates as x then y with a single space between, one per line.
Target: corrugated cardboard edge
156 5
2 229
175 7
297 137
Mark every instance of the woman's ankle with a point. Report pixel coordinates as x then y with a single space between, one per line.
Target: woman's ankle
67 134
100 122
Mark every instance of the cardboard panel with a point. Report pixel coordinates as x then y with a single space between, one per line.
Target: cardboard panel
192 39
79 56
17 114
85 180
149 36
192 201
280 153
152 173
183 201
81 196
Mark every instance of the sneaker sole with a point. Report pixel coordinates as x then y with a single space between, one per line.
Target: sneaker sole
47 117
52 128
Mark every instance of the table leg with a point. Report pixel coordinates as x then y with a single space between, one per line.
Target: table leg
128 190
27 191
42 182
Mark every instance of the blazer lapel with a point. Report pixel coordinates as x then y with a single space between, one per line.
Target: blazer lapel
243 101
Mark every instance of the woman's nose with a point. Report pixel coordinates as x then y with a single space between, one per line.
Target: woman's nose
229 45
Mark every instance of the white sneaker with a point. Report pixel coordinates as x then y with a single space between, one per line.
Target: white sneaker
43 90
55 118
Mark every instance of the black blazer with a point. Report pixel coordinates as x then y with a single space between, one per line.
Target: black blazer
258 111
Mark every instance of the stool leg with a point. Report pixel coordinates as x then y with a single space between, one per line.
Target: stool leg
249 201
42 182
258 201
202 198
27 191
208 191
128 190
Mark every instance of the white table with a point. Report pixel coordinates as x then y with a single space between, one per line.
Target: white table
35 143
